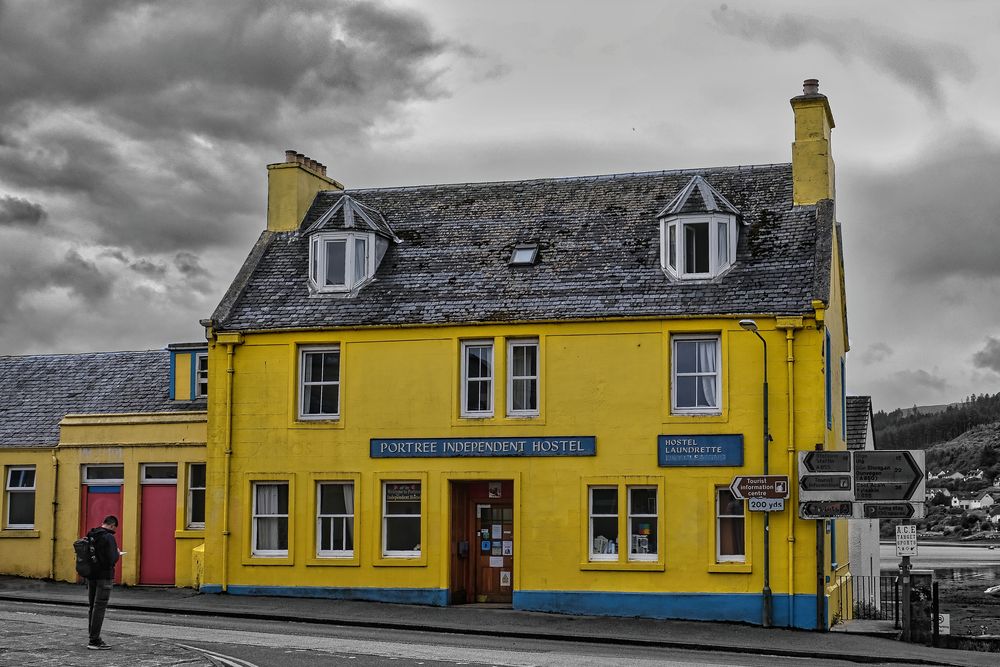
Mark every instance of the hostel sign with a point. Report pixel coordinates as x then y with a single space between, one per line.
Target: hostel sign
559 445
700 450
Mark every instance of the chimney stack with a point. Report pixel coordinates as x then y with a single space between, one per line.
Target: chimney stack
812 163
291 188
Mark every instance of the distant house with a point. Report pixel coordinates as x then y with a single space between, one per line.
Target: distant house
953 475
975 474
987 498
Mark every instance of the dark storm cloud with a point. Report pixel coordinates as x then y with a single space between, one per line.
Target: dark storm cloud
17 211
189 265
989 356
81 277
935 217
919 64
148 268
152 115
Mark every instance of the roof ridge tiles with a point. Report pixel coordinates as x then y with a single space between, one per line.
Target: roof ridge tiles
562 179
79 354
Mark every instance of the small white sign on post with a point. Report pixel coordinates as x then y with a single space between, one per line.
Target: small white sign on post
906 540
944 624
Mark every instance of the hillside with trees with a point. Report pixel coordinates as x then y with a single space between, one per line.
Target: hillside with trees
915 429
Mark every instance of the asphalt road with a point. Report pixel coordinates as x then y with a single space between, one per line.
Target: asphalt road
246 643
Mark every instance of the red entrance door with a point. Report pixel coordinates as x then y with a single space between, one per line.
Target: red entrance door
100 501
482 555
157 554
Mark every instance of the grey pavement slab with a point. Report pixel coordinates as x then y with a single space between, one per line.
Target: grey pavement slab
492 621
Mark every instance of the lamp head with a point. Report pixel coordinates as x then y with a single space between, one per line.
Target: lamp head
749 325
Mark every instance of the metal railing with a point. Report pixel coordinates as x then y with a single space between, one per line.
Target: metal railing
869 598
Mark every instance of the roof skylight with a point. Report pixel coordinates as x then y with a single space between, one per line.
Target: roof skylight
524 255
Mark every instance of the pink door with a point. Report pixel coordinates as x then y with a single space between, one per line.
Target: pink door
157 552
100 501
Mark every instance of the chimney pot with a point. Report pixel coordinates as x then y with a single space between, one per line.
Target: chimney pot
810 87
300 158
289 155
322 169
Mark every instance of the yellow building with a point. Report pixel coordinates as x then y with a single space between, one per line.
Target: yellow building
87 435
535 392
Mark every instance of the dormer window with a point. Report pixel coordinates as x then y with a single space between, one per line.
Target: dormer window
698 246
698 232
340 261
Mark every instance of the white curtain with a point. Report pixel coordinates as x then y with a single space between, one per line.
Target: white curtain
267 527
707 383
348 490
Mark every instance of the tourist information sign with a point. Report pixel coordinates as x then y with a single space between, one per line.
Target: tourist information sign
760 486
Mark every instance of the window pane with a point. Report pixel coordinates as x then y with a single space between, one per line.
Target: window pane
272 534
643 501
706 391
330 403
314 366
331 366
686 356
706 356
105 472
402 533
729 504
197 478
335 256
672 246
21 479
731 537
686 392
604 501
723 244
198 506
333 498
22 509
643 535
360 259
160 472
696 248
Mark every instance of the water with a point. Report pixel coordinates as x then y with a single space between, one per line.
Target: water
950 562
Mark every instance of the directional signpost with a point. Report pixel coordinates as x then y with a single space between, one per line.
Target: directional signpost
826 509
765 493
825 476
888 475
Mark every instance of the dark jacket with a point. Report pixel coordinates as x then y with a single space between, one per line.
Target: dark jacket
107 552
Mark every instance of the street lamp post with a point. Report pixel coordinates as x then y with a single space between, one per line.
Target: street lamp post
751 326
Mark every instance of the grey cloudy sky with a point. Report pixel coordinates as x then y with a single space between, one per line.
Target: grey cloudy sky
133 139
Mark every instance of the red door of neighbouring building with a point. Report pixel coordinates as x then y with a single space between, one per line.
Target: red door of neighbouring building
157 552
100 501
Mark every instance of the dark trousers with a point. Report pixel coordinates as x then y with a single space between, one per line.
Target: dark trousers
98 594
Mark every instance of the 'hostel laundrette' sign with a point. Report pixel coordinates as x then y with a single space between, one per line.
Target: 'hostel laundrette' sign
569 445
700 450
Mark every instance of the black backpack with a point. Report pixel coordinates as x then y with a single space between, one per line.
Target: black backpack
86 557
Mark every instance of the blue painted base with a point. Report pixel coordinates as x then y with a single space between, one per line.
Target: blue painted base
733 607
436 597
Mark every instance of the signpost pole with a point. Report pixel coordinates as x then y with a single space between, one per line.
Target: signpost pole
904 571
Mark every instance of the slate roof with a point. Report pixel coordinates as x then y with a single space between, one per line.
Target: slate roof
36 392
698 197
599 252
859 410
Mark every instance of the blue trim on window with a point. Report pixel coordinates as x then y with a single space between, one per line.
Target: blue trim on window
194 375
173 375
437 597
829 385
843 399
103 489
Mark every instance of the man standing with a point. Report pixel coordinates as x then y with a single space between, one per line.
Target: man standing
101 580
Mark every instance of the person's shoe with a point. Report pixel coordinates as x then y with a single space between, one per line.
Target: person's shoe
99 646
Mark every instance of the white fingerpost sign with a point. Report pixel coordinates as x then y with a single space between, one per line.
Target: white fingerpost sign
906 540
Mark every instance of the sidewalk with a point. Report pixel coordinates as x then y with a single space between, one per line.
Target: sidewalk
500 622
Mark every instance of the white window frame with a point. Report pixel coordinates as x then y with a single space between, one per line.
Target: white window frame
267 553
477 414
318 260
511 377
110 481
674 263
335 553
401 553
602 557
728 558
191 488
200 375
145 479
654 519
12 490
303 351
687 410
